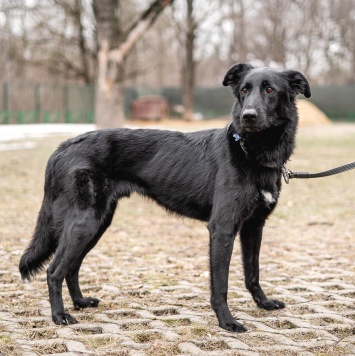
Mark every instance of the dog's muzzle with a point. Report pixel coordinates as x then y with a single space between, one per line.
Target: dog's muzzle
250 120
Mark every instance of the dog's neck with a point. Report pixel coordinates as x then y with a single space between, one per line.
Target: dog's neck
270 148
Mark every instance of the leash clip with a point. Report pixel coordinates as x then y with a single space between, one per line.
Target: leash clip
286 174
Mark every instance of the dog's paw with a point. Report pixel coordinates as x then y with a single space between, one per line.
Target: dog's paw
271 304
233 326
85 303
64 319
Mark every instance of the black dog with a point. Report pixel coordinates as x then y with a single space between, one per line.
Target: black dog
229 177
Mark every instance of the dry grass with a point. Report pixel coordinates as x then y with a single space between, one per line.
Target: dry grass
102 343
281 324
50 348
90 330
86 318
331 350
257 340
123 315
166 311
162 349
136 326
193 331
302 309
177 322
145 336
29 312
262 313
343 332
316 297
210 345
337 306
303 336
8 346
279 353
40 334
33 324
323 321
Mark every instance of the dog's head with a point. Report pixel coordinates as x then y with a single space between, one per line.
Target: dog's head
264 95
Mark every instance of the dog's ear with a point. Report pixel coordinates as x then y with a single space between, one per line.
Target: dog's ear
298 82
235 73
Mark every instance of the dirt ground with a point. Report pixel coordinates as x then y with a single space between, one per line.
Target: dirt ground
150 270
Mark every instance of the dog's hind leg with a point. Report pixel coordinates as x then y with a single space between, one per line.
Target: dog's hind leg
250 236
72 277
80 229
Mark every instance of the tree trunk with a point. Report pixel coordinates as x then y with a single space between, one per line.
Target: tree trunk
188 75
109 103
78 14
238 49
113 49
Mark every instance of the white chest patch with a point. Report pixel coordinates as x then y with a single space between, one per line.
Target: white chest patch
267 196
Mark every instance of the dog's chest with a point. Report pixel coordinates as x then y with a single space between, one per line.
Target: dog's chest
268 187
268 197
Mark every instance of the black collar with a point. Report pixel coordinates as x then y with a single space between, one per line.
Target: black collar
241 139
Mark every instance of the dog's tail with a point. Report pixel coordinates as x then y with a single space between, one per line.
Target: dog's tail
42 245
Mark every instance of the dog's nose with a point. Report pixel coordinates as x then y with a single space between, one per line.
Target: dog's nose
249 114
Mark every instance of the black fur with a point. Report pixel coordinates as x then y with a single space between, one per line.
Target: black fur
232 182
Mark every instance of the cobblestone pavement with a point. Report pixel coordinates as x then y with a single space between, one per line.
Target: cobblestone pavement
150 271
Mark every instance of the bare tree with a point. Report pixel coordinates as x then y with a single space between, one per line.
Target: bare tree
270 38
188 68
162 46
343 40
194 24
114 45
55 39
63 40
12 42
85 53
238 48
305 35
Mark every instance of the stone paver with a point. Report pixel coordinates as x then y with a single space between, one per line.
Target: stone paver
147 318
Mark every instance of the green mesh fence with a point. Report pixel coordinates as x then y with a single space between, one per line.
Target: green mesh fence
22 103
27 103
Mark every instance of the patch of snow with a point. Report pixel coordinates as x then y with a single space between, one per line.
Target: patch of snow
17 146
25 131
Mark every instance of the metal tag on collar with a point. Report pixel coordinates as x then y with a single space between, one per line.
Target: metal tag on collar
237 137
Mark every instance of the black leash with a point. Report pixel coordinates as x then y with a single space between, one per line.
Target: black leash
287 174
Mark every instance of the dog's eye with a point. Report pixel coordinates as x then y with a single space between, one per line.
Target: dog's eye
269 90
244 91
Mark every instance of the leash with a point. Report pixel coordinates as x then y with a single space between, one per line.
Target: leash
287 174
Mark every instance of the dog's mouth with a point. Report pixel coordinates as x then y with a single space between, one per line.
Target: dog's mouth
252 128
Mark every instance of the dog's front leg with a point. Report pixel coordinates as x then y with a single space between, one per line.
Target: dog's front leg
221 247
250 236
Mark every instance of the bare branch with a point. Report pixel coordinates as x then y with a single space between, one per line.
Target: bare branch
137 30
